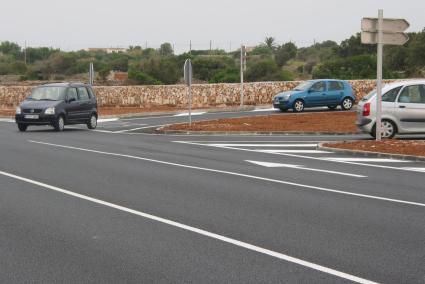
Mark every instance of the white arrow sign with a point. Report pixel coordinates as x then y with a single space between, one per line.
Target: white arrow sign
388 25
279 165
387 38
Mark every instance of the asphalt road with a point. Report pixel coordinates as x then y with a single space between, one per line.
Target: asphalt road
114 206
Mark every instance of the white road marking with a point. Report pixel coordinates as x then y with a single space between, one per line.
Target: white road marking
265 145
195 230
303 157
422 170
138 128
102 120
6 120
299 185
293 151
368 160
187 114
264 109
299 167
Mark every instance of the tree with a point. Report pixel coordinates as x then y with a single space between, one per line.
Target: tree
166 49
270 42
10 48
285 52
263 70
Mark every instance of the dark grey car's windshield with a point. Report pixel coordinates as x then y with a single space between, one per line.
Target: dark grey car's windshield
303 86
48 94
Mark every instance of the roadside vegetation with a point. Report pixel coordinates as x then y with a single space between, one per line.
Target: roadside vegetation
268 61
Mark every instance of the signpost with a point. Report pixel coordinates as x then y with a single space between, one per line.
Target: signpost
382 31
243 68
188 75
91 74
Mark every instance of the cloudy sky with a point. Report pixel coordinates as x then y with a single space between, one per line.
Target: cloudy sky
78 24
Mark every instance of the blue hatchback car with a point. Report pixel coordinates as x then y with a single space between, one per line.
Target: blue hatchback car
316 93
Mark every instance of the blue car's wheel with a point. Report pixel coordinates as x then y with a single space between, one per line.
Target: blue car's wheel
298 106
347 104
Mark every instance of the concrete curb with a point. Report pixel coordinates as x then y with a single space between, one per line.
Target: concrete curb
370 153
268 133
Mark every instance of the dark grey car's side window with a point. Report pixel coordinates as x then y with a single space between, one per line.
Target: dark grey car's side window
72 94
84 95
391 95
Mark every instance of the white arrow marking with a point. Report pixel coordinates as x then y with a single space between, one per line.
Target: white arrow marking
299 167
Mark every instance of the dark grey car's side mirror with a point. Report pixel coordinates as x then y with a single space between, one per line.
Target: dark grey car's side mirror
71 100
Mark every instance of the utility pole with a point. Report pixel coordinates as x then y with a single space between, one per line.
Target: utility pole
243 67
146 45
210 45
379 77
25 53
190 47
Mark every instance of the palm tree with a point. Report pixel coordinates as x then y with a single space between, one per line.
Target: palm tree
270 42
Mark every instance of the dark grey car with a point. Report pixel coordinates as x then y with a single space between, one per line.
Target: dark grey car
58 105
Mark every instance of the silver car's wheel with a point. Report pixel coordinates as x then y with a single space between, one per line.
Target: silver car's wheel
347 104
388 129
298 106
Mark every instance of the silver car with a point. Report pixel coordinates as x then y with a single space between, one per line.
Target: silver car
403 109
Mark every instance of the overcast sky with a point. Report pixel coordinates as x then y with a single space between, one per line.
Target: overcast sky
77 24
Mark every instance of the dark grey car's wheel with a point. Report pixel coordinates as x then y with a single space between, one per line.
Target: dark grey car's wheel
298 106
347 104
22 127
59 124
92 124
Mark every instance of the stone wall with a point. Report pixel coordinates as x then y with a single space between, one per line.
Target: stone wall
204 95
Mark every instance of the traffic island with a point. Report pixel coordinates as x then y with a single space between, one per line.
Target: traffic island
305 123
397 149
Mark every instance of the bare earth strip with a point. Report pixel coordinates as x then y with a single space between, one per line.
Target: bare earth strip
334 122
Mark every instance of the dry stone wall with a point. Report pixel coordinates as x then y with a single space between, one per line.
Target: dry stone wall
204 95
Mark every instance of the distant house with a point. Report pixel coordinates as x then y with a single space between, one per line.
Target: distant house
107 49
117 76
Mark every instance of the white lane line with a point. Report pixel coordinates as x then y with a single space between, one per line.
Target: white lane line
264 109
299 167
102 131
265 145
302 157
138 128
102 120
187 114
369 160
195 230
6 120
293 151
299 185
422 170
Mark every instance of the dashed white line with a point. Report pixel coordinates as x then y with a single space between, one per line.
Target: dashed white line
195 230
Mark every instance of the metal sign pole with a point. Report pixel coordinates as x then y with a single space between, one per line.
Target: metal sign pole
190 105
242 69
379 78
188 74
